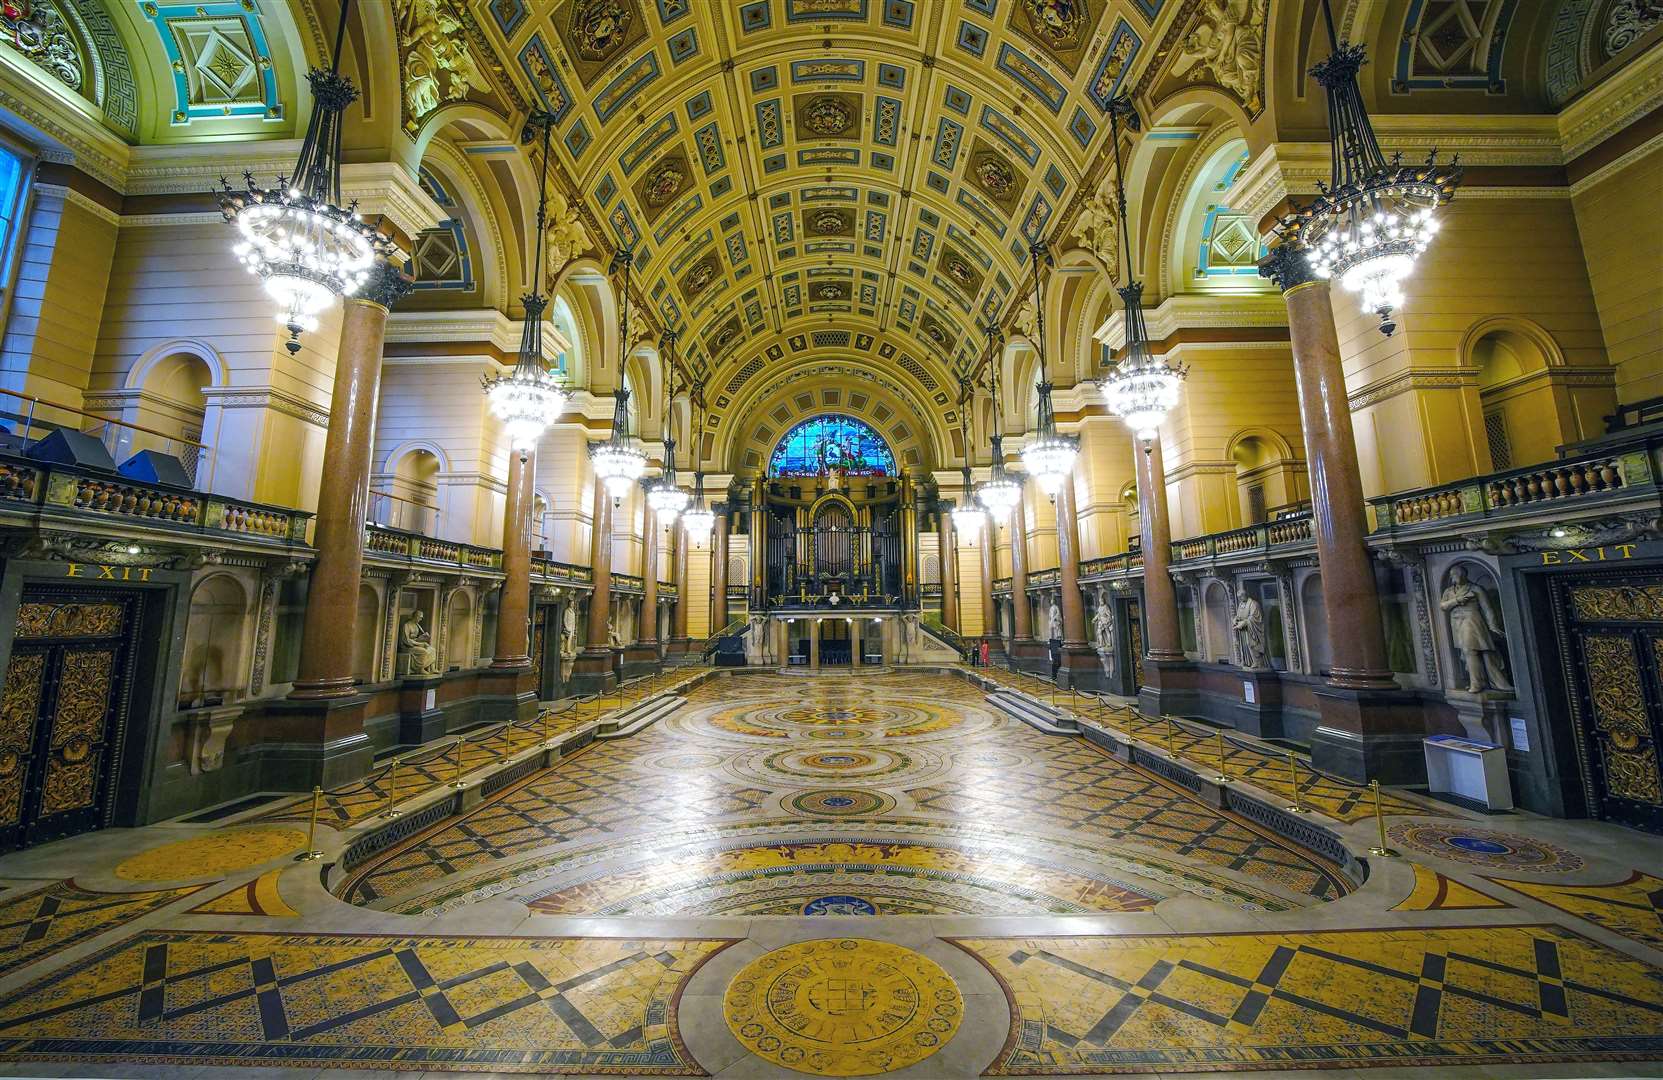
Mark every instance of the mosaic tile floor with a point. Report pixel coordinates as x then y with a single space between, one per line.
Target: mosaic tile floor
831 876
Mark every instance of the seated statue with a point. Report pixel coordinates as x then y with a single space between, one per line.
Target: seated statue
415 645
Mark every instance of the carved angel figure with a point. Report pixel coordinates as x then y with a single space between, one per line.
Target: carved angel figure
1097 228
1226 44
565 237
438 65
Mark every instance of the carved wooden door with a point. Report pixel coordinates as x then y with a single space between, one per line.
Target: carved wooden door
62 712
1613 644
1134 626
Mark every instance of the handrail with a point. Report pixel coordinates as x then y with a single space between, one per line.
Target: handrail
33 400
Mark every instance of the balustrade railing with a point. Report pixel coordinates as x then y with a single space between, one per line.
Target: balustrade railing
1290 528
398 544
1549 486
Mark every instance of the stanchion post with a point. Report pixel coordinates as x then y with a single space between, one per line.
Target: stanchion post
1169 726
1295 807
392 789
1223 776
1382 851
456 781
312 853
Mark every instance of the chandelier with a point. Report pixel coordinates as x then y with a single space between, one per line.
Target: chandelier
295 237
530 398
1048 455
663 495
1373 218
698 520
618 462
1140 389
967 516
998 494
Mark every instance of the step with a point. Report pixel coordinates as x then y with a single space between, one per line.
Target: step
1035 713
637 717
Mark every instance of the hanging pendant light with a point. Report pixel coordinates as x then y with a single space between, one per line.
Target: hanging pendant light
1048 455
1140 389
664 496
998 494
618 462
530 398
1374 218
295 236
968 517
698 520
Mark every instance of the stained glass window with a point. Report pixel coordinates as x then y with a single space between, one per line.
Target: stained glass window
832 444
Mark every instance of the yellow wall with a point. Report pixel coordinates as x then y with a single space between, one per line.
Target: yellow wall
1620 218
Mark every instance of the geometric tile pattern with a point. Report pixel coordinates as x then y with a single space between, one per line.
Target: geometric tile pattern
1465 996
1260 768
363 799
49 920
1632 907
548 1005
258 897
1435 892
216 853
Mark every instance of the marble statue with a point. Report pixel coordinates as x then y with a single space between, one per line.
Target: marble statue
1096 228
438 64
568 631
1053 622
1102 625
416 645
1250 625
909 633
1226 44
757 640
613 637
1474 628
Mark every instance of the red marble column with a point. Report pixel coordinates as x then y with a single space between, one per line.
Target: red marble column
719 571
646 631
990 612
514 602
1080 666
328 633
592 670
1160 599
678 621
948 543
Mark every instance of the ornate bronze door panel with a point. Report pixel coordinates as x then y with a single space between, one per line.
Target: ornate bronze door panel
62 713
1134 624
1612 641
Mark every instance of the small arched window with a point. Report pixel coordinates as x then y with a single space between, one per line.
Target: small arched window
831 443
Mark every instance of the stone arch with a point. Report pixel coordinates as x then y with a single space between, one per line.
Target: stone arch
366 638
459 643
1216 608
1526 414
1269 475
216 635
1313 612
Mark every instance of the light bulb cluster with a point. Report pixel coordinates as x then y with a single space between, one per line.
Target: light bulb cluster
1049 458
999 495
699 522
1370 240
618 465
667 500
526 402
968 518
1141 393
305 251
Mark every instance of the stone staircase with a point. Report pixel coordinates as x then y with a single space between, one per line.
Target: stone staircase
1033 712
638 717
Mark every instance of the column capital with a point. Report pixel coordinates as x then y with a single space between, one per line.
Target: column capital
386 286
1287 266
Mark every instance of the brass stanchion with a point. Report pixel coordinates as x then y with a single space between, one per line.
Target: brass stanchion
1382 851
312 853
392 788
1223 776
1169 727
456 781
1295 807
546 715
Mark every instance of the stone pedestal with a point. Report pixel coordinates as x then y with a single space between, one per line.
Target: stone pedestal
592 672
1483 716
1257 709
1368 735
420 719
1082 669
208 729
507 694
1030 655
1169 686
314 742
641 659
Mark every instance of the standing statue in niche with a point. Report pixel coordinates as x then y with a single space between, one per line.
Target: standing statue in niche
756 640
1474 629
1250 624
1053 622
417 646
1102 625
613 638
909 634
568 631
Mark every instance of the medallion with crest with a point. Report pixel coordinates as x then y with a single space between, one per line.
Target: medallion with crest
827 116
991 173
1062 28
663 182
598 32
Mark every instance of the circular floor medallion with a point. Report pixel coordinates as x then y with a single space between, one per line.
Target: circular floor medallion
835 764
840 905
840 802
843 1007
1480 847
216 853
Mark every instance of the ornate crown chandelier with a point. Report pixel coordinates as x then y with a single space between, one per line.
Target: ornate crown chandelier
1049 455
1373 218
967 516
295 236
1141 389
998 494
618 462
663 495
530 398
698 520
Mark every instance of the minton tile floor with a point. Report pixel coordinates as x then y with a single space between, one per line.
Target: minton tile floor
832 876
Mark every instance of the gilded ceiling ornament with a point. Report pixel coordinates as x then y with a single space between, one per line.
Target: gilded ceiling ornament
38 31
827 116
664 183
1226 45
995 175
1097 230
600 27
1628 21
1060 22
829 222
700 277
438 65
959 271
565 236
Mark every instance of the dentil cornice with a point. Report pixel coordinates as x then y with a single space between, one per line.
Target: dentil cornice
1630 93
1198 311
481 324
64 132
195 168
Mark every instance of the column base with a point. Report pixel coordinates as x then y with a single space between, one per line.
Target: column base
420 719
316 742
676 646
1370 735
592 672
1170 687
1082 669
1261 716
1030 655
507 694
641 659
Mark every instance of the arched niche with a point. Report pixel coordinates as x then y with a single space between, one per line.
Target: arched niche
407 495
1268 475
215 636
1313 612
459 642
367 634
1529 408
1215 623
